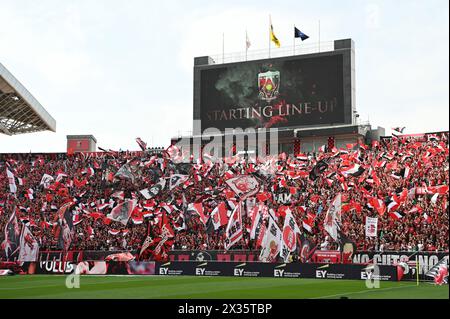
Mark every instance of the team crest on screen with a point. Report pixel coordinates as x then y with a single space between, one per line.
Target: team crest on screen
268 84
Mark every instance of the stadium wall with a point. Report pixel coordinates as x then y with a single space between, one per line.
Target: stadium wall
426 260
213 269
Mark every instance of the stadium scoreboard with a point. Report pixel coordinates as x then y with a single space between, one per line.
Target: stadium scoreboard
288 92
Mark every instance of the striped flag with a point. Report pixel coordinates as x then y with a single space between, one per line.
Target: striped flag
141 143
308 223
234 229
396 215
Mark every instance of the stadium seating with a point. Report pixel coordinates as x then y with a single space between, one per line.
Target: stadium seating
402 181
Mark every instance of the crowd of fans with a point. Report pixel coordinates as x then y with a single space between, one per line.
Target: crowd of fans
393 167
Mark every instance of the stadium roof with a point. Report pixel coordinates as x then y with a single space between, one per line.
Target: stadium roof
20 112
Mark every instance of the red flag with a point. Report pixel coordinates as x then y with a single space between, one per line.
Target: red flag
377 204
122 212
219 215
197 208
263 196
308 223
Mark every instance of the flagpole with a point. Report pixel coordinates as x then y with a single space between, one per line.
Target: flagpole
417 269
270 25
294 39
319 35
223 47
246 46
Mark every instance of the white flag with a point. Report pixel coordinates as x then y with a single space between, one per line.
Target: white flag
247 41
11 181
29 247
46 180
290 231
333 217
271 245
233 232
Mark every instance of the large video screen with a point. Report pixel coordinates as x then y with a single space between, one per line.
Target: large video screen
273 93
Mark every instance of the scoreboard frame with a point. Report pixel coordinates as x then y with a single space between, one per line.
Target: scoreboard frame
344 48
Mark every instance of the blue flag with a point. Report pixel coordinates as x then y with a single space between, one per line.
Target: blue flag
300 34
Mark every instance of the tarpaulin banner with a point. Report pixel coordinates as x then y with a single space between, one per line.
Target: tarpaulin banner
55 267
425 260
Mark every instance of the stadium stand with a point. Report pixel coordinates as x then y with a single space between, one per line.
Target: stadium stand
121 200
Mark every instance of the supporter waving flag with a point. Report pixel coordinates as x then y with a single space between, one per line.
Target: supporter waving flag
158 242
290 231
122 212
153 191
11 181
219 215
125 173
46 180
258 227
271 245
439 272
177 179
353 170
197 208
244 186
12 236
333 217
64 229
141 143
29 247
318 169
308 223
234 230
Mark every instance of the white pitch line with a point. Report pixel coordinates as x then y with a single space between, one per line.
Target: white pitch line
363 291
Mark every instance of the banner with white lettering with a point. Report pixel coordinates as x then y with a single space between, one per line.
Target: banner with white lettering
371 226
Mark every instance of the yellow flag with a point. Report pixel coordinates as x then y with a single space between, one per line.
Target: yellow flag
273 38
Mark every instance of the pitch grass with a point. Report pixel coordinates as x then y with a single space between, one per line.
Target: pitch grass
184 287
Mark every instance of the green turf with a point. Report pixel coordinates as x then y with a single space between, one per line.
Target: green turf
184 287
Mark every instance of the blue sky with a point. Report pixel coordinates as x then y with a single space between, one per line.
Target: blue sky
123 69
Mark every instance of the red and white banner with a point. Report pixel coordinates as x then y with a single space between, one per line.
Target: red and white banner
29 247
197 208
141 143
11 181
258 228
12 236
244 186
122 212
333 217
272 242
234 229
290 231
219 215
371 226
